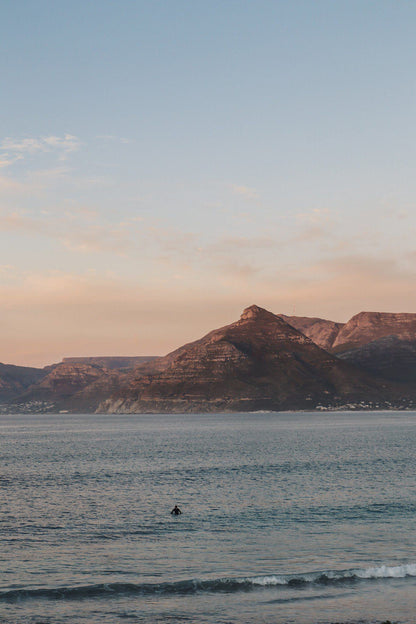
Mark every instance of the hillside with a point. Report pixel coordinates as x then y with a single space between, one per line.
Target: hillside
321 331
16 379
365 327
259 362
262 361
111 362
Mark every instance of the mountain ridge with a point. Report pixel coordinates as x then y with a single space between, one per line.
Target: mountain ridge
257 362
261 361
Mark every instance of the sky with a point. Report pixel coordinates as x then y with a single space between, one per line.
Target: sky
165 164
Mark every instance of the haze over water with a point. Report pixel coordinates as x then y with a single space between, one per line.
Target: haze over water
287 517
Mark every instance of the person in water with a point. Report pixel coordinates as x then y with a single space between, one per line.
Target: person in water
176 511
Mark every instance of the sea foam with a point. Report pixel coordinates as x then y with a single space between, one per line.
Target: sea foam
219 585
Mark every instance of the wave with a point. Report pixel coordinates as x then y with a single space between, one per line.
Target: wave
221 585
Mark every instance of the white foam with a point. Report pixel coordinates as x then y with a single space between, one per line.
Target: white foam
385 571
268 580
375 572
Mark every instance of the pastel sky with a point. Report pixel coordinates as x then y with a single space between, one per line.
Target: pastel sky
165 164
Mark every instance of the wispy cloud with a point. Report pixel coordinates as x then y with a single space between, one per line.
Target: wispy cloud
167 242
6 160
9 186
241 243
400 214
237 270
317 215
23 146
246 192
111 137
80 233
313 225
365 267
20 148
34 183
98 238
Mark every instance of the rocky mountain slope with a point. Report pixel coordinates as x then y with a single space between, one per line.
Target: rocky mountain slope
320 331
365 327
70 386
75 384
111 362
258 362
16 379
262 361
381 343
390 357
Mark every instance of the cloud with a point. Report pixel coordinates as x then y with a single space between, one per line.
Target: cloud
68 143
317 215
18 222
311 233
231 244
41 178
98 238
111 137
246 192
234 259
34 184
400 214
339 287
7 272
363 267
82 233
314 225
27 146
10 186
22 146
6 160
164 242
80 228
237 270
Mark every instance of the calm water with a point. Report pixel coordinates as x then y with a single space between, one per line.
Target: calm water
287 518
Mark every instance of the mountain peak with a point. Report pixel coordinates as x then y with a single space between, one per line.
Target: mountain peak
255 312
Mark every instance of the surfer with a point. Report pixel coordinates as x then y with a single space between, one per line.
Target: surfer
176 511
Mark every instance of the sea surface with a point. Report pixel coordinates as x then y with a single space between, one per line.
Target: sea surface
299 518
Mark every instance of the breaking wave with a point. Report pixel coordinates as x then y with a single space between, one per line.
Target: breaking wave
221 585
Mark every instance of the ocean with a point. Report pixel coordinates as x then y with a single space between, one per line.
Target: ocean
298 518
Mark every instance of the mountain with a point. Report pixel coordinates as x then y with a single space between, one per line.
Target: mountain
365 327
259 362
69 386
389 357
380 343
16 379
320 331
262 361
111 362
361 329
